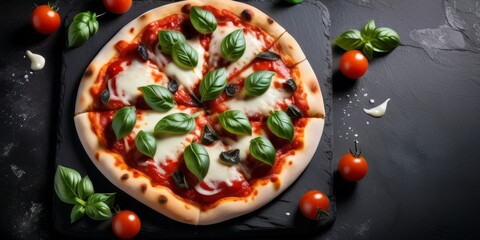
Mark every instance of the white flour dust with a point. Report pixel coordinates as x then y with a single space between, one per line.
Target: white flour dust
26 222
7 149
17 171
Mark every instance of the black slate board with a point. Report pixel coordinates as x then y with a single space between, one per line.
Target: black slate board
310 25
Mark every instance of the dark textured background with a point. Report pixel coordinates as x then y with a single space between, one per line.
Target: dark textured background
423 180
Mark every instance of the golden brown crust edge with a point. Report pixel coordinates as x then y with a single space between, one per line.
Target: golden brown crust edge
250 15
111 165
305 75
128 33
262 193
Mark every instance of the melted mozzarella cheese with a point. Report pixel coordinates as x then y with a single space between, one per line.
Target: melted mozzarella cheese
160 59
169 146
218 172
188 77
127 82
254 46
262 104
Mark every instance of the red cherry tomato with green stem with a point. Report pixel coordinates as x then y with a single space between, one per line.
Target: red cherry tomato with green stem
117 6
353 64
314 204
45 19
126 224
353 166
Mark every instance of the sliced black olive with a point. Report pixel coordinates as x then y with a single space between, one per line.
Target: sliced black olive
179 178
231 157
105 96
294 112
142 52
290 85
268 55
209 135
172 86
231 90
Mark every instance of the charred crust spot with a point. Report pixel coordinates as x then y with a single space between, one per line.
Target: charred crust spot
89 72
270 21
246 15
124 177
97 156
314 86
290 163
143 17
143 188
162 199
186 8
132 30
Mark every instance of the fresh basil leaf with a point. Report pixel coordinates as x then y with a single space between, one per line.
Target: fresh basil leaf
168 38
235 122
385 39
351 39
230 157
294 112
179 178
85 188
158 98
83 26
258 82
66 183
268 56
367 31
98 211
77 212
203 20
146 143
294 1
234 45
176 123
107 198
367 49
281 125
262 149
184 55
197 160
209 135
213 84
124 121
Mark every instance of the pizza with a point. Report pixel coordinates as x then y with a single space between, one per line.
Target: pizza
202 110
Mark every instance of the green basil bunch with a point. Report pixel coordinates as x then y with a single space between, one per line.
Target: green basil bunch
83 26
369 39
71 188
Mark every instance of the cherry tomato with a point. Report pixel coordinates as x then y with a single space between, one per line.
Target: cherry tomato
313 204
45 19
126 224
353 64
352 166
117 6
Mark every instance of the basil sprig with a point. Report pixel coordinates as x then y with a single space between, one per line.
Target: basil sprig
258 82
168 38
158 98
203 20
281 125
146 143
235 122
184 55
213 84
124 121
175 123
369 39
262 149
83 26
71 188
234 45
197 160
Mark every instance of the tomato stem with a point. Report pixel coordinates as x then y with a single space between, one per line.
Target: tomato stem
321 212
357 151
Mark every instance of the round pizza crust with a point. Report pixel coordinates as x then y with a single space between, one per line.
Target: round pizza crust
162 199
